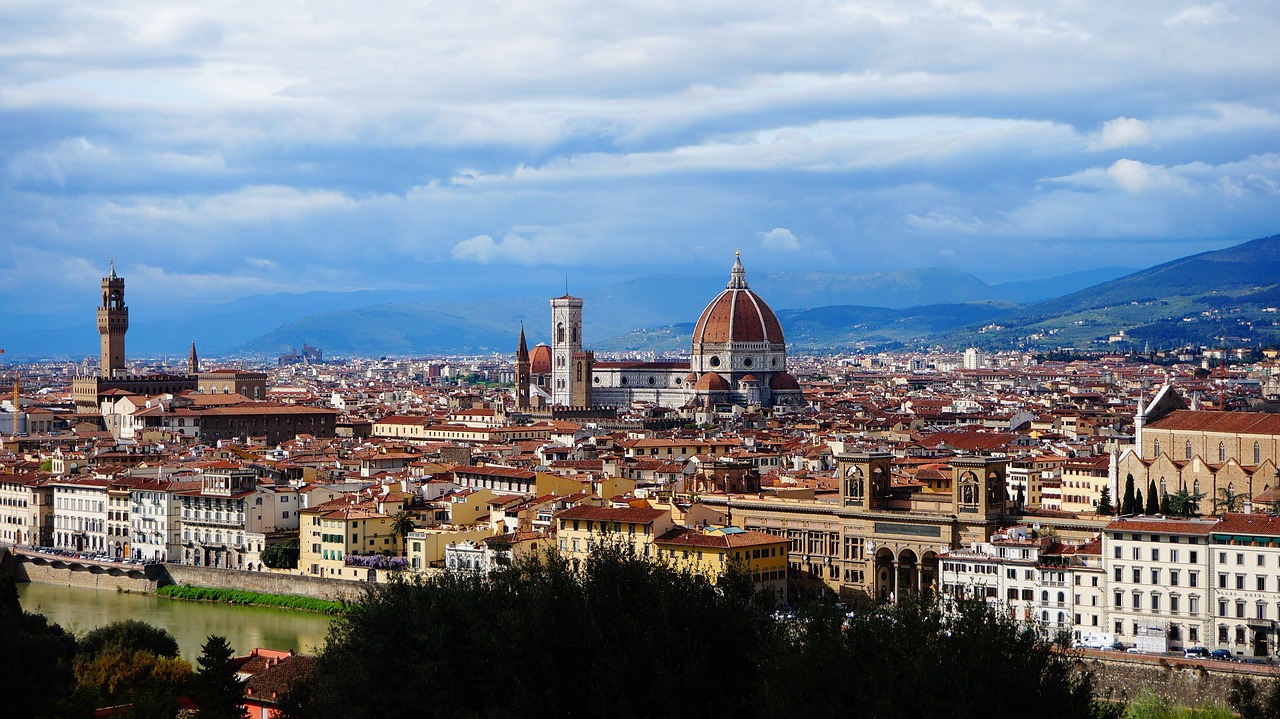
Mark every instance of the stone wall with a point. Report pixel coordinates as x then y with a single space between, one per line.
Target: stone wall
267 582
1185 682
78 576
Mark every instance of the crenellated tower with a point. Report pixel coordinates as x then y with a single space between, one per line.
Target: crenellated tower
113 323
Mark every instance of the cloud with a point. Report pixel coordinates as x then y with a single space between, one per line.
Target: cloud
779 239
512 249
1120 132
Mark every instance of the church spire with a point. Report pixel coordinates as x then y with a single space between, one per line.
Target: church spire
738 275
522 348
193 361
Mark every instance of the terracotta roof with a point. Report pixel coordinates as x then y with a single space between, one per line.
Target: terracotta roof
688 536
1158 525
1237 523
611 514
1190 420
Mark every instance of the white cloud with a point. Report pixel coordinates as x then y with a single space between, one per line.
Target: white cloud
1121 132
779 239
512 249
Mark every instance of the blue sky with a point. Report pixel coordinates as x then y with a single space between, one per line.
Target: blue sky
216 150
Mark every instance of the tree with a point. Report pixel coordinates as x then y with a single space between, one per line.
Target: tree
1138 505
1164 503
707 647
1104 502
281 556
129 635
1252 701
1126 505
1183 503
36 676
402 524
1021 500
1228 500
115 676
215 688
1153 499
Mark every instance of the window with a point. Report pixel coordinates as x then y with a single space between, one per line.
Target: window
1135 553
1222 557
1239 581
1222 607
1193 556
1240 610
1155 554
1155 576
1173 577
1222 634
1137 575
1193 579
1222 580
1262 583
1155 602
1262 610
1187 449
1239 635
1193 604
1119 600
1117 551
1173 555
1262 560
1239 557
1173 603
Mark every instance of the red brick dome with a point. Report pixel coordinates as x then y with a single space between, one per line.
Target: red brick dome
783 381
540 359
737 315
711 382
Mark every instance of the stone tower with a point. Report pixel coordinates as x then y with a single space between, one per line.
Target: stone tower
113 322
865 478
193 361
566 339
522 372
583 363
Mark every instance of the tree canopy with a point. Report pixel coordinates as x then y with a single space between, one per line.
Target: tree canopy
625 637
216 688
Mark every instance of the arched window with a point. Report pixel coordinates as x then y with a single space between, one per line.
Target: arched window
560 333
1257 454
1061 598
1188 450
1222 452
1156 449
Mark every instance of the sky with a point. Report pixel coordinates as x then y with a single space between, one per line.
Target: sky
222 149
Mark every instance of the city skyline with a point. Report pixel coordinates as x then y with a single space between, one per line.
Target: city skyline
219 153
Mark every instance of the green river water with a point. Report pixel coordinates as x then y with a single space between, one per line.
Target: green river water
79 610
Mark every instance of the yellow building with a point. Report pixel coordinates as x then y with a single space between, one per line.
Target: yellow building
335 534
580 529
426 546
711 551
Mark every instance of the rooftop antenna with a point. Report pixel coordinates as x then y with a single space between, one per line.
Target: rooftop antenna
566 284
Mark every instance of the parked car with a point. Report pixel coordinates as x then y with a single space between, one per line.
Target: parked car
1220 654
1196 653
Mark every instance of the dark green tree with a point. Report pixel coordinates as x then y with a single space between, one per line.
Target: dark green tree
1153 499
1021 500
1255 700
1138 504
1164 503
129 635
1183 503
281 556
36 676
1126 504
215 688
1105 507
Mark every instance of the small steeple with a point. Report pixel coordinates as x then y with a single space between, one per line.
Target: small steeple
193 361
112 274
738 275
522 349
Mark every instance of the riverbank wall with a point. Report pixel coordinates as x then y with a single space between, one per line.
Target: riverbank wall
40 568
1182 682
266 582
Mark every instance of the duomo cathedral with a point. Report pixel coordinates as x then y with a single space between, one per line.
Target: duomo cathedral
737 362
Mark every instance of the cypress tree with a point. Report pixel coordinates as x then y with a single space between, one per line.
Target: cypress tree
1104 502
1153 498
217 689
1138 506
1126 506
1164 503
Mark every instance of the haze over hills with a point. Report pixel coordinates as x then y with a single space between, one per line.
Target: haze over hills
623 310
1225 297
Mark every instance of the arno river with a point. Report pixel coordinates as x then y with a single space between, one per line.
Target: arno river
79 610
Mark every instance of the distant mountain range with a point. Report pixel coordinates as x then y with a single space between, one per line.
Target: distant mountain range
1226 297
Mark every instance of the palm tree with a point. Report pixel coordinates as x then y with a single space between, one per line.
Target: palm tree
1228 500
1183 503
402 524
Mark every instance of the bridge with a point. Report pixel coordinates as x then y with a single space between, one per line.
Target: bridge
61 567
